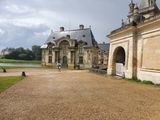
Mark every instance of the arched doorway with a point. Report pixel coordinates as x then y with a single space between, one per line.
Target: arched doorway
119 61
64 50
65 61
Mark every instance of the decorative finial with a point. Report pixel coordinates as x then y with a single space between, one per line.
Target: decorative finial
123 23
131 7
136 7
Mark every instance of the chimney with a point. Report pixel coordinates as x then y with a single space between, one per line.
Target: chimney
81 27
61 29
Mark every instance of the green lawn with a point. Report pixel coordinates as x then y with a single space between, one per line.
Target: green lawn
19 61
6 82
15 67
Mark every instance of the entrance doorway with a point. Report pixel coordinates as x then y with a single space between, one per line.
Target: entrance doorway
119 62
64 49
65 61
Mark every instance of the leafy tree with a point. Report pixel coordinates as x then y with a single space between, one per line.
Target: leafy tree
20 54
24 54
37 52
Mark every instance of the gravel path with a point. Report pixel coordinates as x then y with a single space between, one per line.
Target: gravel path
70 95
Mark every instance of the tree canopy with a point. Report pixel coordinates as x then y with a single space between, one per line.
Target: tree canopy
23 54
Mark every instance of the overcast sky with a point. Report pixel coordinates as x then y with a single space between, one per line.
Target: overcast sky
29 22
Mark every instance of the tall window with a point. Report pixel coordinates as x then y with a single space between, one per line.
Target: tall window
64 47
50 59
80 60
81 50
57 58
50 50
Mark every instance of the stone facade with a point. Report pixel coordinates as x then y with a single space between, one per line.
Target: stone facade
71 48
134 48
103 55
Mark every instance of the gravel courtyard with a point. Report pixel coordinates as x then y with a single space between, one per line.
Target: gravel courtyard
47 94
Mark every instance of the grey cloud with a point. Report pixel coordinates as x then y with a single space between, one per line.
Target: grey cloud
16 36
29 18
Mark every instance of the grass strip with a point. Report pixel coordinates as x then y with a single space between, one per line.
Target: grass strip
15 67
19 61
6 82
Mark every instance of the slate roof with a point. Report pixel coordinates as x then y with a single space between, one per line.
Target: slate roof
144 7
104 47
143 4
85 35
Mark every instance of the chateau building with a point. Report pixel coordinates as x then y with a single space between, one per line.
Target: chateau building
103 55
135 46
71 48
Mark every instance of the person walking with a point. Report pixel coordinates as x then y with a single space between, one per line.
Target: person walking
59 66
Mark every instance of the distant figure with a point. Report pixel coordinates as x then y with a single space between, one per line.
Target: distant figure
59 66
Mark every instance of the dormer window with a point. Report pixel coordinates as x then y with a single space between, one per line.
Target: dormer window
81 50
50 50
68 36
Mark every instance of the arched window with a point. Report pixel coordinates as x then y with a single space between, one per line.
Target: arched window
64 47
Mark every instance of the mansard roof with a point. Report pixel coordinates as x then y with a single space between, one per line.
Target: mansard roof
143 4
146 8
85 35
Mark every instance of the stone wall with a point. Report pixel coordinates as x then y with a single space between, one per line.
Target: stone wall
142 48
149 51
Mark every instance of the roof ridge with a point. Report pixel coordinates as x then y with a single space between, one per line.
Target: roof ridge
73 30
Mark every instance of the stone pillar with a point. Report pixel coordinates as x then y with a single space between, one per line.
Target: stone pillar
110 59
43 56
47 57
59 57
69 57
53 57
75 57
134 52
85 57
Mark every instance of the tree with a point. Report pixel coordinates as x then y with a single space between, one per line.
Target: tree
20 54
24 54
37 52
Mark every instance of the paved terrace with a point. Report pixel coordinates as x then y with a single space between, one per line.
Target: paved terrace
47 94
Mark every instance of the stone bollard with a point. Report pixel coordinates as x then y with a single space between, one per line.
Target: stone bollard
4 70
23 74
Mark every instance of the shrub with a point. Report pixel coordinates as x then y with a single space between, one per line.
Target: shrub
148 82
